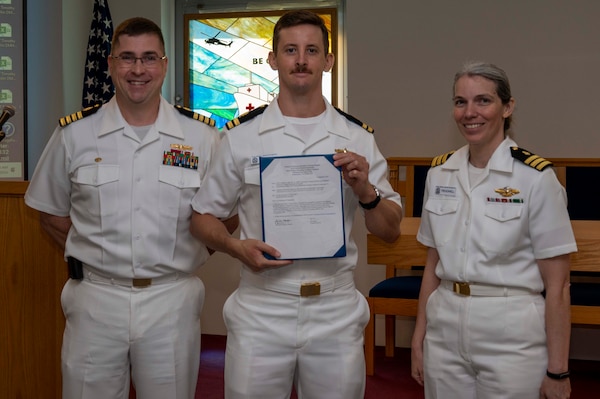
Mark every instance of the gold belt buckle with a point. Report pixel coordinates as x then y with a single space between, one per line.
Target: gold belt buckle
461 288
310 289
141 282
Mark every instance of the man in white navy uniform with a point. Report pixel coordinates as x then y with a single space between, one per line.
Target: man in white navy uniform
114 188
283 330
498 233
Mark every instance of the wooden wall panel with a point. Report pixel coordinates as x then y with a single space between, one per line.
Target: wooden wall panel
32 274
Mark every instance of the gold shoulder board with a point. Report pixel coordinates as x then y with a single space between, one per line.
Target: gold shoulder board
66 120
530 159
194 115
246 117
441 159
353 119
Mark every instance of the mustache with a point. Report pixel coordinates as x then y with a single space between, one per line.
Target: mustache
301 69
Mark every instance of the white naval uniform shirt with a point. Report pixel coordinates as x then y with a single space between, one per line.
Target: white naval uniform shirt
483 237
130 212
234 178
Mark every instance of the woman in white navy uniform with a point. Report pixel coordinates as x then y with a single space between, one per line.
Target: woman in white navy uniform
498 235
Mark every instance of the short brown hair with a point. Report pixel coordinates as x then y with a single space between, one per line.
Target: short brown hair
137 26
300 17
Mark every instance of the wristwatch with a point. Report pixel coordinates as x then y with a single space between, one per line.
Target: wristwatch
372 204
559 376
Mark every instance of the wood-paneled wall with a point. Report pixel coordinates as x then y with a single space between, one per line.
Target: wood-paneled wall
32 274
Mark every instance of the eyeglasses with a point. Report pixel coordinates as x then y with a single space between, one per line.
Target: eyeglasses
148 60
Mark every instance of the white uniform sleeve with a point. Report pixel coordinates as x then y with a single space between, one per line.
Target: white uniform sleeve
219 192
378 174
49 190
425 235
549 223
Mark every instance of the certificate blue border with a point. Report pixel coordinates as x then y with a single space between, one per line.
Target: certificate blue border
265 162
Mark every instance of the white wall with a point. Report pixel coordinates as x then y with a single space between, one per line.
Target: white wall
402 56
45 93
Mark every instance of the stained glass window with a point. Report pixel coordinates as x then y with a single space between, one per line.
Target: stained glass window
227 73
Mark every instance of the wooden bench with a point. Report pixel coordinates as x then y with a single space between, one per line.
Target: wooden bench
407 252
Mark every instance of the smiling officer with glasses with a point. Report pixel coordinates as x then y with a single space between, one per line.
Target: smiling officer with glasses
114 188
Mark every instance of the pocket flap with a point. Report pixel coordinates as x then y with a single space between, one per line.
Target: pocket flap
441 206
252 175
96 175
179 177
503 213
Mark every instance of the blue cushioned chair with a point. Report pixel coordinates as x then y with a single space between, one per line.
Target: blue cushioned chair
396 295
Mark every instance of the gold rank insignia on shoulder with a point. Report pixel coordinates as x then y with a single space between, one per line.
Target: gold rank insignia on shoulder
194 115
507 191
354 120
245 117
66 120
530 159
441 159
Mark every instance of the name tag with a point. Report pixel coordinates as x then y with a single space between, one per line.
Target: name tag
445 191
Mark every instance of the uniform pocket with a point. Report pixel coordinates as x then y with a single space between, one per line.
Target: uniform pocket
503 213
443 215
179 177
176 188
431 307
252 175
176 192
228 312
96 186
96 175
503 226
441 207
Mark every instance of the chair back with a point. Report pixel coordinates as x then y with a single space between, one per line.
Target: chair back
587 235
405 253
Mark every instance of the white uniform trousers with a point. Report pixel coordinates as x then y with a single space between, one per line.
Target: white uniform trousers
480 347
112 329
275 340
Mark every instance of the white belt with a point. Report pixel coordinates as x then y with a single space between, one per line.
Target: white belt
475 289
301 288
95 277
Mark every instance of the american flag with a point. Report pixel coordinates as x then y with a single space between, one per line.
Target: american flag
97 84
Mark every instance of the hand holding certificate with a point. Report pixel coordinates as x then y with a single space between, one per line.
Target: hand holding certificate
302 206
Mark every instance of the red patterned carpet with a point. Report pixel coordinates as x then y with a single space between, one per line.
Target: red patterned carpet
392 375
391 380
